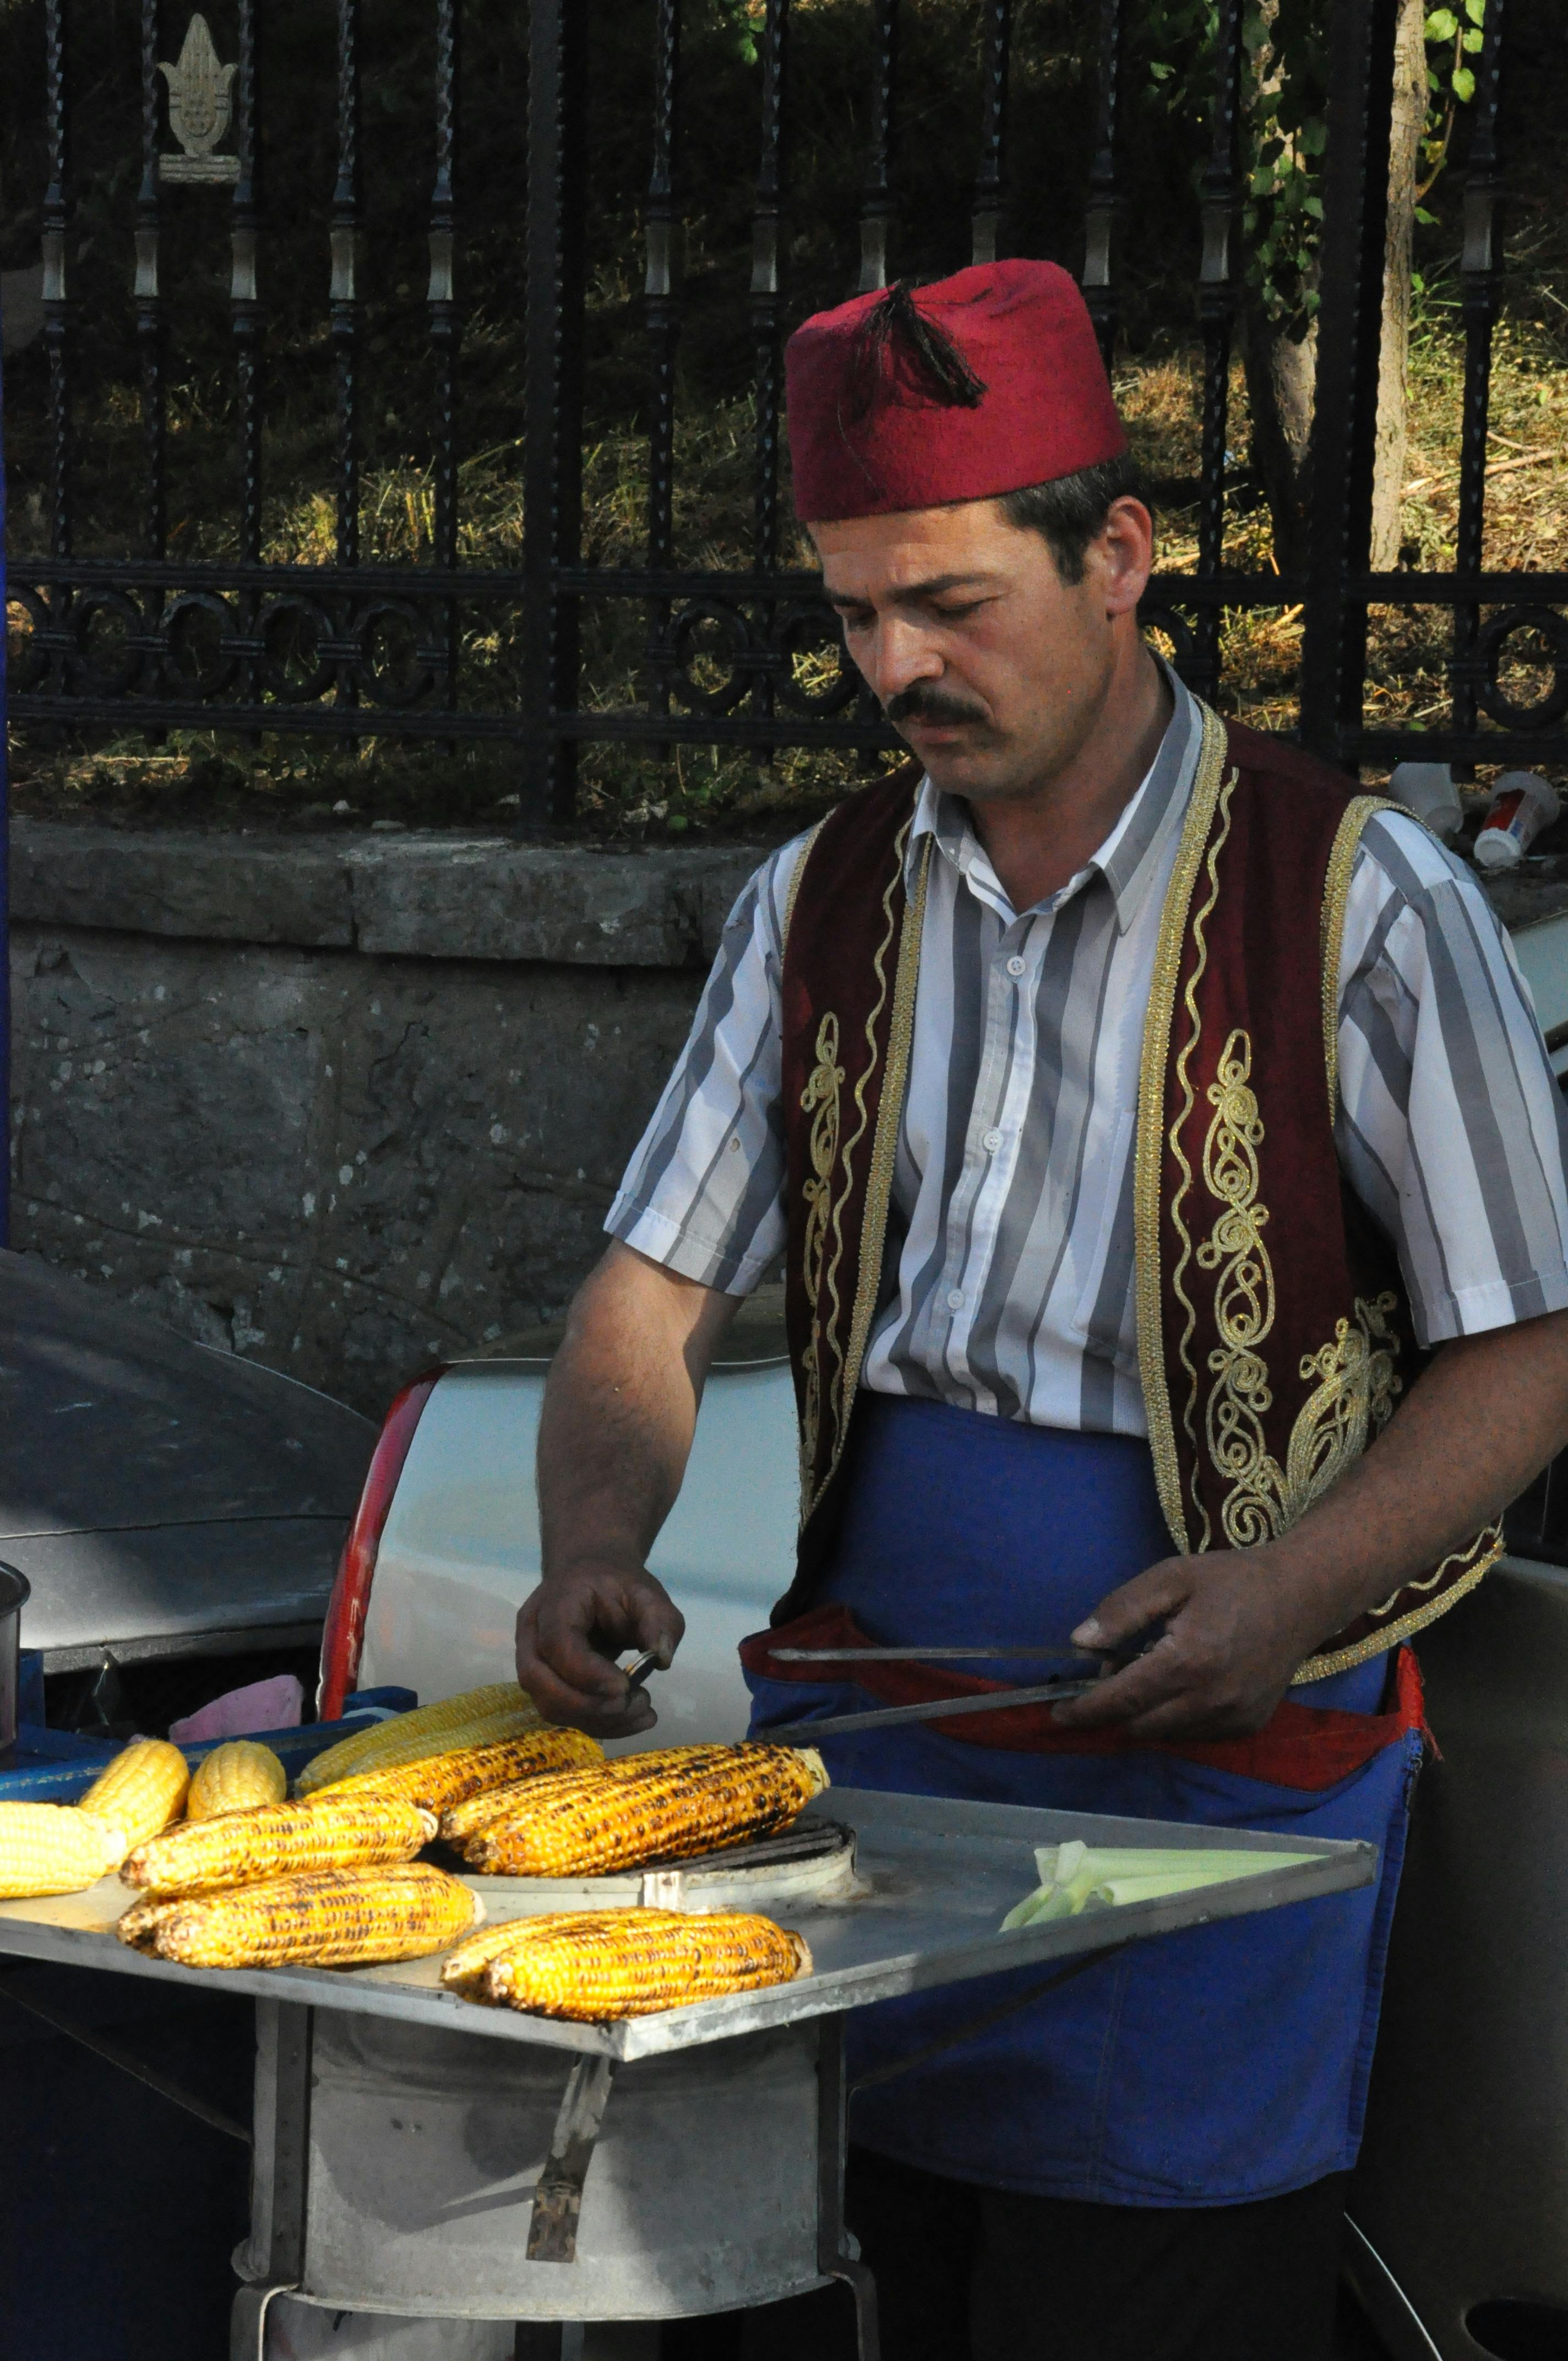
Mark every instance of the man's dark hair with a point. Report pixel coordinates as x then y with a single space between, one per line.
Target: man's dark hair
1069 512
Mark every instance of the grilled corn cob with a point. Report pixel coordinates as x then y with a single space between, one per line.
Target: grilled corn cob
278 1841
462 1821
142 1790
447 1779
329 1918
238 1777
632 1962
54 1849
477 1717
462 1970
649 1808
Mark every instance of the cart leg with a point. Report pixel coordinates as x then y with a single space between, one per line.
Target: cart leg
548 2340
836 2255
282 2176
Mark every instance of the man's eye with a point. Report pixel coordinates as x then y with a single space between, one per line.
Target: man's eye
856 618
957 612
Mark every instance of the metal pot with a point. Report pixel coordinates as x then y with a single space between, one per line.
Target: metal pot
13 1593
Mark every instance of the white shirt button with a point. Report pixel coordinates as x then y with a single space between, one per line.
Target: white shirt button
955 1298
1015 965
991 1140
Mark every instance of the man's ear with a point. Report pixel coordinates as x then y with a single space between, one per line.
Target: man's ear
1124 553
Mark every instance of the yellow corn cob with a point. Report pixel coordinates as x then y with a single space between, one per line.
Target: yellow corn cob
278 1841
329 1918
612 1963
238 1777
462 1970
462 1821
477 1718
649 1808
142 1790
54 1849
446 1779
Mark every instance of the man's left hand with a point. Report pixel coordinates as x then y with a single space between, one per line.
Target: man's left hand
1233 1639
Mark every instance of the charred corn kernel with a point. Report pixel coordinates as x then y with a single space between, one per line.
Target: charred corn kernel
464 1820
278 1841
329 1918
464 1970
446 1779
634 1963
649 1808
142 1790
53 1849
238 1777
477 1717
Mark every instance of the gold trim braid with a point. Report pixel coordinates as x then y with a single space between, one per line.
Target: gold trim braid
1149 1157
890 1115
1389 1635
1336 894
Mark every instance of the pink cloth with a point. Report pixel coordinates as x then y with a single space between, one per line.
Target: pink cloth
277 1704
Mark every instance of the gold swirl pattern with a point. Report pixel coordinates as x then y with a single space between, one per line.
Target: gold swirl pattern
1353 1396
820 1100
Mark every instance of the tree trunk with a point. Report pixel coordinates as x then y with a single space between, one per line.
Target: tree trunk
1280 376
1409 115
1281 373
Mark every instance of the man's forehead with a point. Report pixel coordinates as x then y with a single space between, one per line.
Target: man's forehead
918 550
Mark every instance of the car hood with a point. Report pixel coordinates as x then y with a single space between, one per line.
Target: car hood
151 1487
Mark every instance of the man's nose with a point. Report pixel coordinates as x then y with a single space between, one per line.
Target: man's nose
901 656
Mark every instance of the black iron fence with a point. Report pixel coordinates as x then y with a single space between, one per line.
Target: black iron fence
144 637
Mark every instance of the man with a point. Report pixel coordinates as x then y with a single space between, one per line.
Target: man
1137 1109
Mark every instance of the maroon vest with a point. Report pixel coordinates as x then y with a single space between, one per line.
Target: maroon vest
1274 1333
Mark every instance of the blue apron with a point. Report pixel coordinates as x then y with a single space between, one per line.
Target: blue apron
1208 2067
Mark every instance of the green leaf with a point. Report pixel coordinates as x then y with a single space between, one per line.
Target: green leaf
1314 135
1442 25
1417 282
1315 208
1427 221
1463 84
1476 11
1473 40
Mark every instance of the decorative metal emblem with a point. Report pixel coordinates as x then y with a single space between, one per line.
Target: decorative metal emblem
199 110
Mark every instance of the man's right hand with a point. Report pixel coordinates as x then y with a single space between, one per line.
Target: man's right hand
573 1627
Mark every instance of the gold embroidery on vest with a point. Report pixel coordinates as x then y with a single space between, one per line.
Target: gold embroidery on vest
1200 962
837 1407
1148 1170
1490 1544
1353 1396
820 1100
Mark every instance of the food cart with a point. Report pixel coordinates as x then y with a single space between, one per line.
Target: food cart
417 2155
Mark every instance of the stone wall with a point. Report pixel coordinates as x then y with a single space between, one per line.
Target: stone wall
341 1106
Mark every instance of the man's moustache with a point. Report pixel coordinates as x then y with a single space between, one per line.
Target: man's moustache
921 704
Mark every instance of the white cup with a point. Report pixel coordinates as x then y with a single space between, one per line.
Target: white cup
1428 790
1522 804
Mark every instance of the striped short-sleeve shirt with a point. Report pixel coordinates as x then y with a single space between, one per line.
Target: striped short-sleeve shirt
1011 1215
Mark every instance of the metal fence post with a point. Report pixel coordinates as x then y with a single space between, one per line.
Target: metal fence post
1356 186
552 400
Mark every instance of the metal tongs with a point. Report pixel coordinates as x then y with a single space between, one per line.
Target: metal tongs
1052 1692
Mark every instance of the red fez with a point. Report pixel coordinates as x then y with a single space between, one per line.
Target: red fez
976 386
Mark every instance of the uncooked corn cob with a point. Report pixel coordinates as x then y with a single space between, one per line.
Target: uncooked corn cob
141 1791
477 1717
236 1777
54 1849
280 1841
447 1779
634 1963
685 1801
328 1918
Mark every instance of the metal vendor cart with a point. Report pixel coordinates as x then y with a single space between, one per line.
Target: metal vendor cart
417 2155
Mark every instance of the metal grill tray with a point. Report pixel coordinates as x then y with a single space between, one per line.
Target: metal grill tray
936 1879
